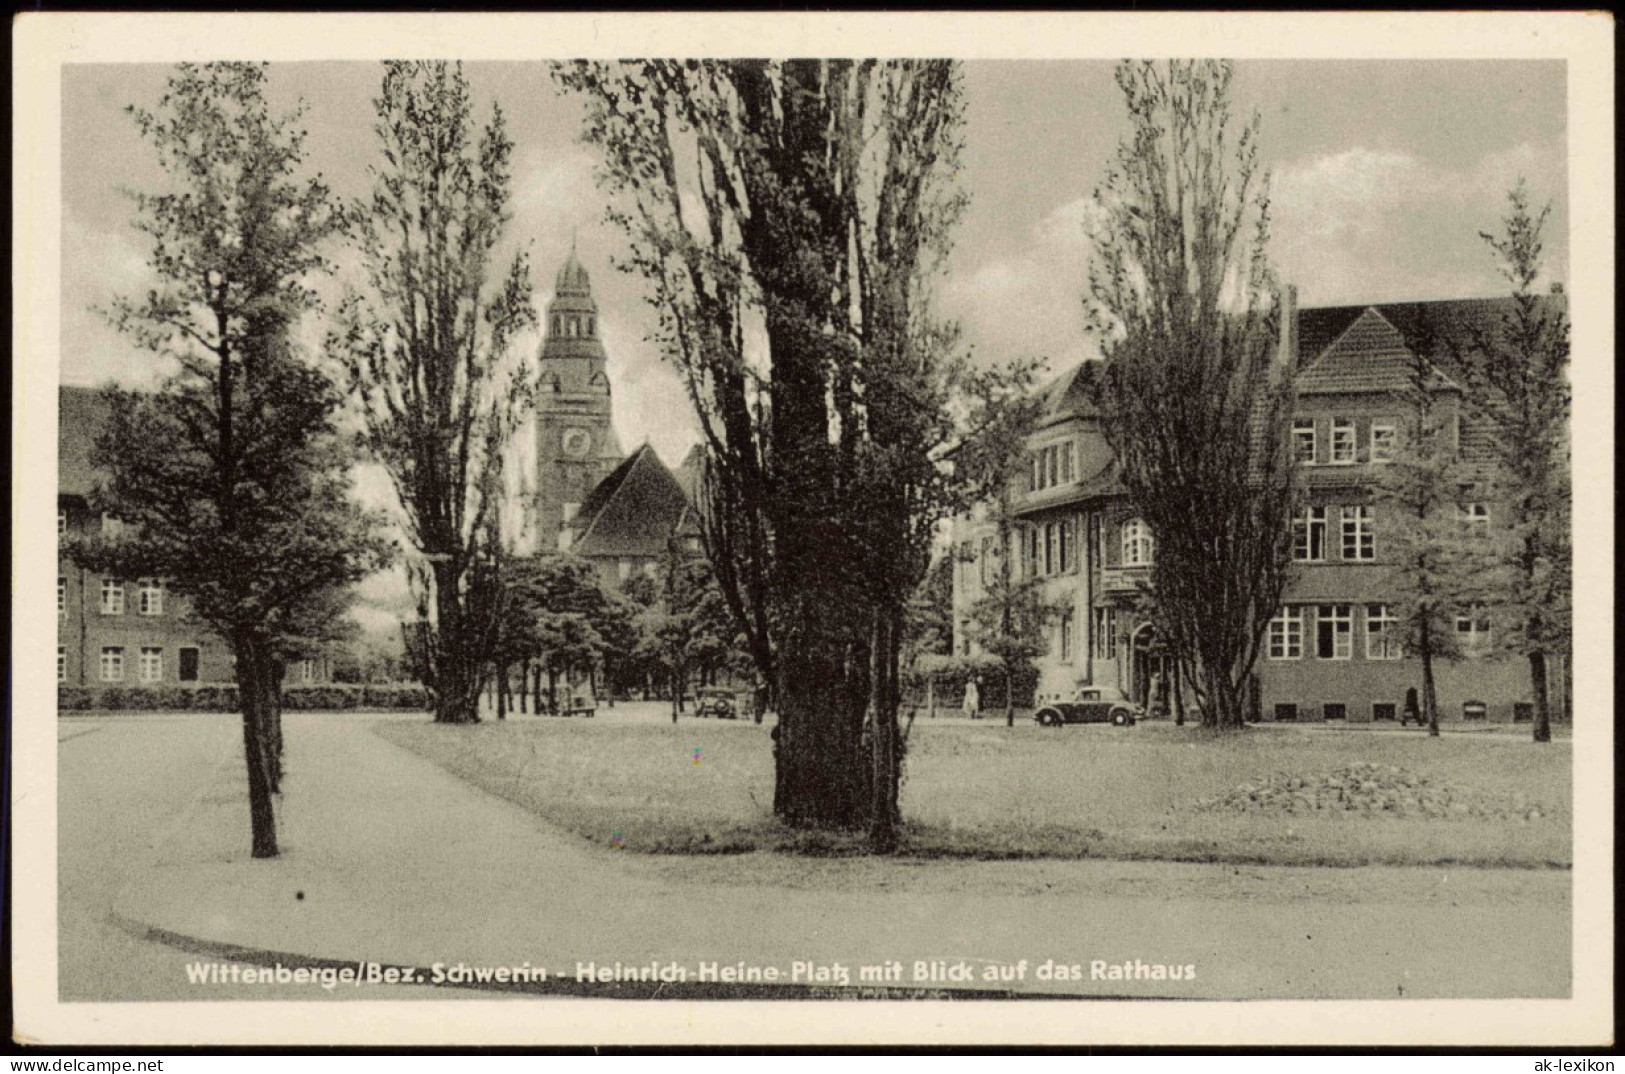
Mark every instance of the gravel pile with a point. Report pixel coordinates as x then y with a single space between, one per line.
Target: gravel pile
1371 790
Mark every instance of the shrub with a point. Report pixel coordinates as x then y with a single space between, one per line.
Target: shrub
328 696
215 697
400 695
73 698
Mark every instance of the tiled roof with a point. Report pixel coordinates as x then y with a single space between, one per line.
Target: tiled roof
1071 394
83 415
634 511
1370 355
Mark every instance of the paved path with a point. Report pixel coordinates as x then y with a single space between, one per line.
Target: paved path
390 859
127 786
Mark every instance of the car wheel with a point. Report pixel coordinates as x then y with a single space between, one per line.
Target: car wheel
1049 718
1121 718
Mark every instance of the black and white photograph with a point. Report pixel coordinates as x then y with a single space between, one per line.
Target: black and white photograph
774 529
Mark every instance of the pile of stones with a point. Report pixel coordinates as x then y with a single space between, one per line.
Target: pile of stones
1371 790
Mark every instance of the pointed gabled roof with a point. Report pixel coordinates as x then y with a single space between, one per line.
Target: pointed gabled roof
634 511
1370 355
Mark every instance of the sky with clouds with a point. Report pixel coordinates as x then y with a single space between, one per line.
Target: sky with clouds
1382 172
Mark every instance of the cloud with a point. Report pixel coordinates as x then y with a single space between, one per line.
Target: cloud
1367 225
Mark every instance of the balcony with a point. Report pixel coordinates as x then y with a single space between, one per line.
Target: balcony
1123 579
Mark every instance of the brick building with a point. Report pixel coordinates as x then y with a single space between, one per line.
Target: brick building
1330 653
624 514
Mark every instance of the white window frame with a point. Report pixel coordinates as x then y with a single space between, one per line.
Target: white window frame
1475 517
61 596
151 666
1382 633
112 597
1304 527
1303 433
1139 547
1340 618
307 670
1065 630
61 521
1359 540
1106 633
1052 548
112 663
150 598
1475 638
1286 634
1343 437
1389 442
61 663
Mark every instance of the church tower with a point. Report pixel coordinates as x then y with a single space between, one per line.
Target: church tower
575 443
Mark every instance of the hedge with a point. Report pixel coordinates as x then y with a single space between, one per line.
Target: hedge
949 674
222 697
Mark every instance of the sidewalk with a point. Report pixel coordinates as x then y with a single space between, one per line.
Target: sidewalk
389 859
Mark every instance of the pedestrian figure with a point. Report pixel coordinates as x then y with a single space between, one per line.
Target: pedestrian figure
973 700
1412 710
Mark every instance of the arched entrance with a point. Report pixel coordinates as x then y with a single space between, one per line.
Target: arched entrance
1148 671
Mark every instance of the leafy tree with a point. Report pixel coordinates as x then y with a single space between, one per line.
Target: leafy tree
1010 622
1194 404
930 623
1438 564
426 351
232 478
1520 373
811 198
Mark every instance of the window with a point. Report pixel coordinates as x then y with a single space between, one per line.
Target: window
1358 540
152 664
1138 547
1475 518
1334 632
307 670
1474 710
1052 548
61 663
61 596
1068 549
1384 434
188 665
1384 711
1473 633
1286 634
112 597
1051 466
1106 633
1334 710
61 521
1286 712
623 569
1381 633
1342 442
964 637
1309 535
1031 567
1303 441
112 664
151 601
1066 636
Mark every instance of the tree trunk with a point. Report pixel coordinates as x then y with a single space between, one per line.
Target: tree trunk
457 679
502 691
883 814
253 662
1176 689
1430 689
1009 698
552 690
1543 700
822 775
1226 704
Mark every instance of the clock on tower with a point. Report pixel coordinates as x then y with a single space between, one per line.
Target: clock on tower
575 443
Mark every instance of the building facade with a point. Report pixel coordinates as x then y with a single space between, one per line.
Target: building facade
624 514
116 631
1330 653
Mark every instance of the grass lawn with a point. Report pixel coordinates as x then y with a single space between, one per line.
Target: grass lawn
1023 792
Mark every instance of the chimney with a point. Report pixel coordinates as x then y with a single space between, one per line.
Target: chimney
1286 347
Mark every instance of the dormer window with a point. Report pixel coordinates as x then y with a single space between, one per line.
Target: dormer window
1303 441
1342 442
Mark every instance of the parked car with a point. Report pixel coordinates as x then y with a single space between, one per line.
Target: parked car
1091 704
717 701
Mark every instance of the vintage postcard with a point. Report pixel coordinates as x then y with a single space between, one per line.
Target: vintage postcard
863 529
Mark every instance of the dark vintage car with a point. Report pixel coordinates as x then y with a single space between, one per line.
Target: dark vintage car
716 701
1092 704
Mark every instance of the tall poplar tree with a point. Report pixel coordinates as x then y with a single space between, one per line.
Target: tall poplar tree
427 347
1194 402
